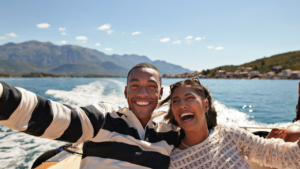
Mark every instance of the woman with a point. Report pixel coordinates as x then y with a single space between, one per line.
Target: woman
207 145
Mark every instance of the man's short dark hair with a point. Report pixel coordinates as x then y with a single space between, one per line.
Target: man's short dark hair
147 65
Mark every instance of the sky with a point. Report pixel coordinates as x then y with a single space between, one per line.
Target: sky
193 34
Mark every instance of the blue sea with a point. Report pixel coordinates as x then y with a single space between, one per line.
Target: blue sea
268 103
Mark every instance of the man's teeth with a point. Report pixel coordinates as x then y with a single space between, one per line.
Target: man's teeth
186 114
142 103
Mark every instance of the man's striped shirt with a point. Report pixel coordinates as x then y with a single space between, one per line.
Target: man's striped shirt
112 139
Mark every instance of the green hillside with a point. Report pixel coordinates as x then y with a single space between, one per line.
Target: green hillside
34 56
289 60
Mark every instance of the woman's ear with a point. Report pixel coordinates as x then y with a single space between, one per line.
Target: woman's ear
206 105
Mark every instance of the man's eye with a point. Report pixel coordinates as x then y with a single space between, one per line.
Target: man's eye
152 87
175 101
134 86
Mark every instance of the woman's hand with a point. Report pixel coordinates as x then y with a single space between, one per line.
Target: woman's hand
277 133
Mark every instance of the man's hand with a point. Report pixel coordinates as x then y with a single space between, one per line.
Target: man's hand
277 133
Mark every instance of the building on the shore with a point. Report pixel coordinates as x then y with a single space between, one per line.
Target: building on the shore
254 74
270 75
244 74
229 74
248 69
240 68
277 68
286 73
295 74
221 72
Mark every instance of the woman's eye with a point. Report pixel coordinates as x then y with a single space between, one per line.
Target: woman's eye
190 98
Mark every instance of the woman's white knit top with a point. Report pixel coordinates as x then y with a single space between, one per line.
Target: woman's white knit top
226 146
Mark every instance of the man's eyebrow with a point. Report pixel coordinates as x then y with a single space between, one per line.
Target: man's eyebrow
152 81
134 80
175 97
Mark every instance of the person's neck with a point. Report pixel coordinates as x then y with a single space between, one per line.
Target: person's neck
144 121
195 137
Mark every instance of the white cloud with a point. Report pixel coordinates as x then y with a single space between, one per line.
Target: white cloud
104 27
189 37
219 48
204 37
110 31
123 32
136 33
177 42
12 35
1 38
62 29
198 38
63 42
83 41
210 47
97 44
63 33
43 25
108 49
83 38
165 39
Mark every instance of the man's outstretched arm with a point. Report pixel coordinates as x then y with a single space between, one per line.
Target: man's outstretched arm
27 112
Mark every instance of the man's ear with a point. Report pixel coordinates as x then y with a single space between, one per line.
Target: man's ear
125 92
161 92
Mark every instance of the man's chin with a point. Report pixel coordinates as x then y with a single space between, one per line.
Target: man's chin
142 114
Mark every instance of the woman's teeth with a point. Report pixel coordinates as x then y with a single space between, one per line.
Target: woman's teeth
187 116
142 103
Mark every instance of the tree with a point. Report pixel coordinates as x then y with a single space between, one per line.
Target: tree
255 67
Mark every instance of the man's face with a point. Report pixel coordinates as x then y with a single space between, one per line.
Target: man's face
142 92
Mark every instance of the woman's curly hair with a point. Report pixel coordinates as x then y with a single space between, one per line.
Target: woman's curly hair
211 115
297 111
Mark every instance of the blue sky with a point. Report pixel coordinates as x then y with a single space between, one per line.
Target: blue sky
194 34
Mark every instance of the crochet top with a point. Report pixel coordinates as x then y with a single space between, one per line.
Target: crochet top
226 146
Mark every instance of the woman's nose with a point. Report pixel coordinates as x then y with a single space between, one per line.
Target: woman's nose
182 105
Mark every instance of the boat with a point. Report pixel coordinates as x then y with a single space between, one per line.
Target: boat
70 157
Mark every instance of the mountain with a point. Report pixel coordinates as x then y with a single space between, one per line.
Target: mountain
289 60
34 56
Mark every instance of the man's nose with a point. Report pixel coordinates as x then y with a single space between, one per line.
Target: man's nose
143 91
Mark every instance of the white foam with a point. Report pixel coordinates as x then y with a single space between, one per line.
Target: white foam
20 149
92 93
231 116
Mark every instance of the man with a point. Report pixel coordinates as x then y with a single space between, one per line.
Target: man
127 138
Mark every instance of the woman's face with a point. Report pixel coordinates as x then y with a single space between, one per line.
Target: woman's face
189 108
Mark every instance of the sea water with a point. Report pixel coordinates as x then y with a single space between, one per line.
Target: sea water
264 103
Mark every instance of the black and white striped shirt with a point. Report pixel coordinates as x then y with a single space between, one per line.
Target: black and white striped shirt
112 139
